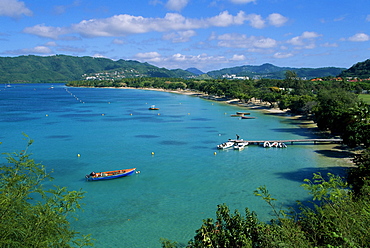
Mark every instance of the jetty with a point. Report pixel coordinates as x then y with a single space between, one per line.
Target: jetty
291 141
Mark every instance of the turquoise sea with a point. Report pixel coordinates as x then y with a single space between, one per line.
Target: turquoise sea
180 184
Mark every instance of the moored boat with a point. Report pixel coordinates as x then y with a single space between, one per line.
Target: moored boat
109 174
243 113
153 108
266 144
225 145
247 117
240 145
282 145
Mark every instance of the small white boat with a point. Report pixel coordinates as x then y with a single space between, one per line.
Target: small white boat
274 144
282 145
240 146
225 145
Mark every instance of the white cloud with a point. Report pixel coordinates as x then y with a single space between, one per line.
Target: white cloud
176 4
150 57
178 60
45 31
121 25
280 55
41 50
309 35
327 44
277 19
256 21
199 61
243 41
359 37
306 40
51 43
237 57
181 36
34 50
242 1
13 8
98 55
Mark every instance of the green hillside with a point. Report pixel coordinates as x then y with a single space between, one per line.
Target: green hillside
360 70
274 72
65 68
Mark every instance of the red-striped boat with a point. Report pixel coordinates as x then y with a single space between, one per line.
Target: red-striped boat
109 174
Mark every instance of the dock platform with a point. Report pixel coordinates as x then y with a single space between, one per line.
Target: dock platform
292 141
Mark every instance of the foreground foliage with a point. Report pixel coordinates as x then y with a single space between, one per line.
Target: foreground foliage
31 216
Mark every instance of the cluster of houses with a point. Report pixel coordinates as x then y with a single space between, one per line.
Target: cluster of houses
111 75
233 76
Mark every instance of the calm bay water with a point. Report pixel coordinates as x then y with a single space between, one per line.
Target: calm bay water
181 184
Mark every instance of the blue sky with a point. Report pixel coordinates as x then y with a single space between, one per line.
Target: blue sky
208 35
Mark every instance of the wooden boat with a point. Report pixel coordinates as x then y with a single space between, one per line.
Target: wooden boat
153 108
243 113
248 117
109 174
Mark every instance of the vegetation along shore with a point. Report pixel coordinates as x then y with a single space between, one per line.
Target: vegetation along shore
338 216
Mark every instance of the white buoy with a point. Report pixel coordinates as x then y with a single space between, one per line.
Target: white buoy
78 155
152 153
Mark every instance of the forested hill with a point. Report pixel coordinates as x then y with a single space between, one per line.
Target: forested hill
66 68
361 70
275 72
33 68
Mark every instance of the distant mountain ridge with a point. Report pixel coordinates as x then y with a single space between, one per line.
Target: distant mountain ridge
274 72
33 68
195 71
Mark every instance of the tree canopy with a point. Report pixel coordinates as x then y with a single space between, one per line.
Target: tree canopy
31 216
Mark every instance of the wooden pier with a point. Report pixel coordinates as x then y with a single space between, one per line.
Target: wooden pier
292 141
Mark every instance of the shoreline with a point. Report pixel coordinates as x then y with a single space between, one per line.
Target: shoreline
342 156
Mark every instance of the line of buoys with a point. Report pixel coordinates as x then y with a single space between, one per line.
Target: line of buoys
74 96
